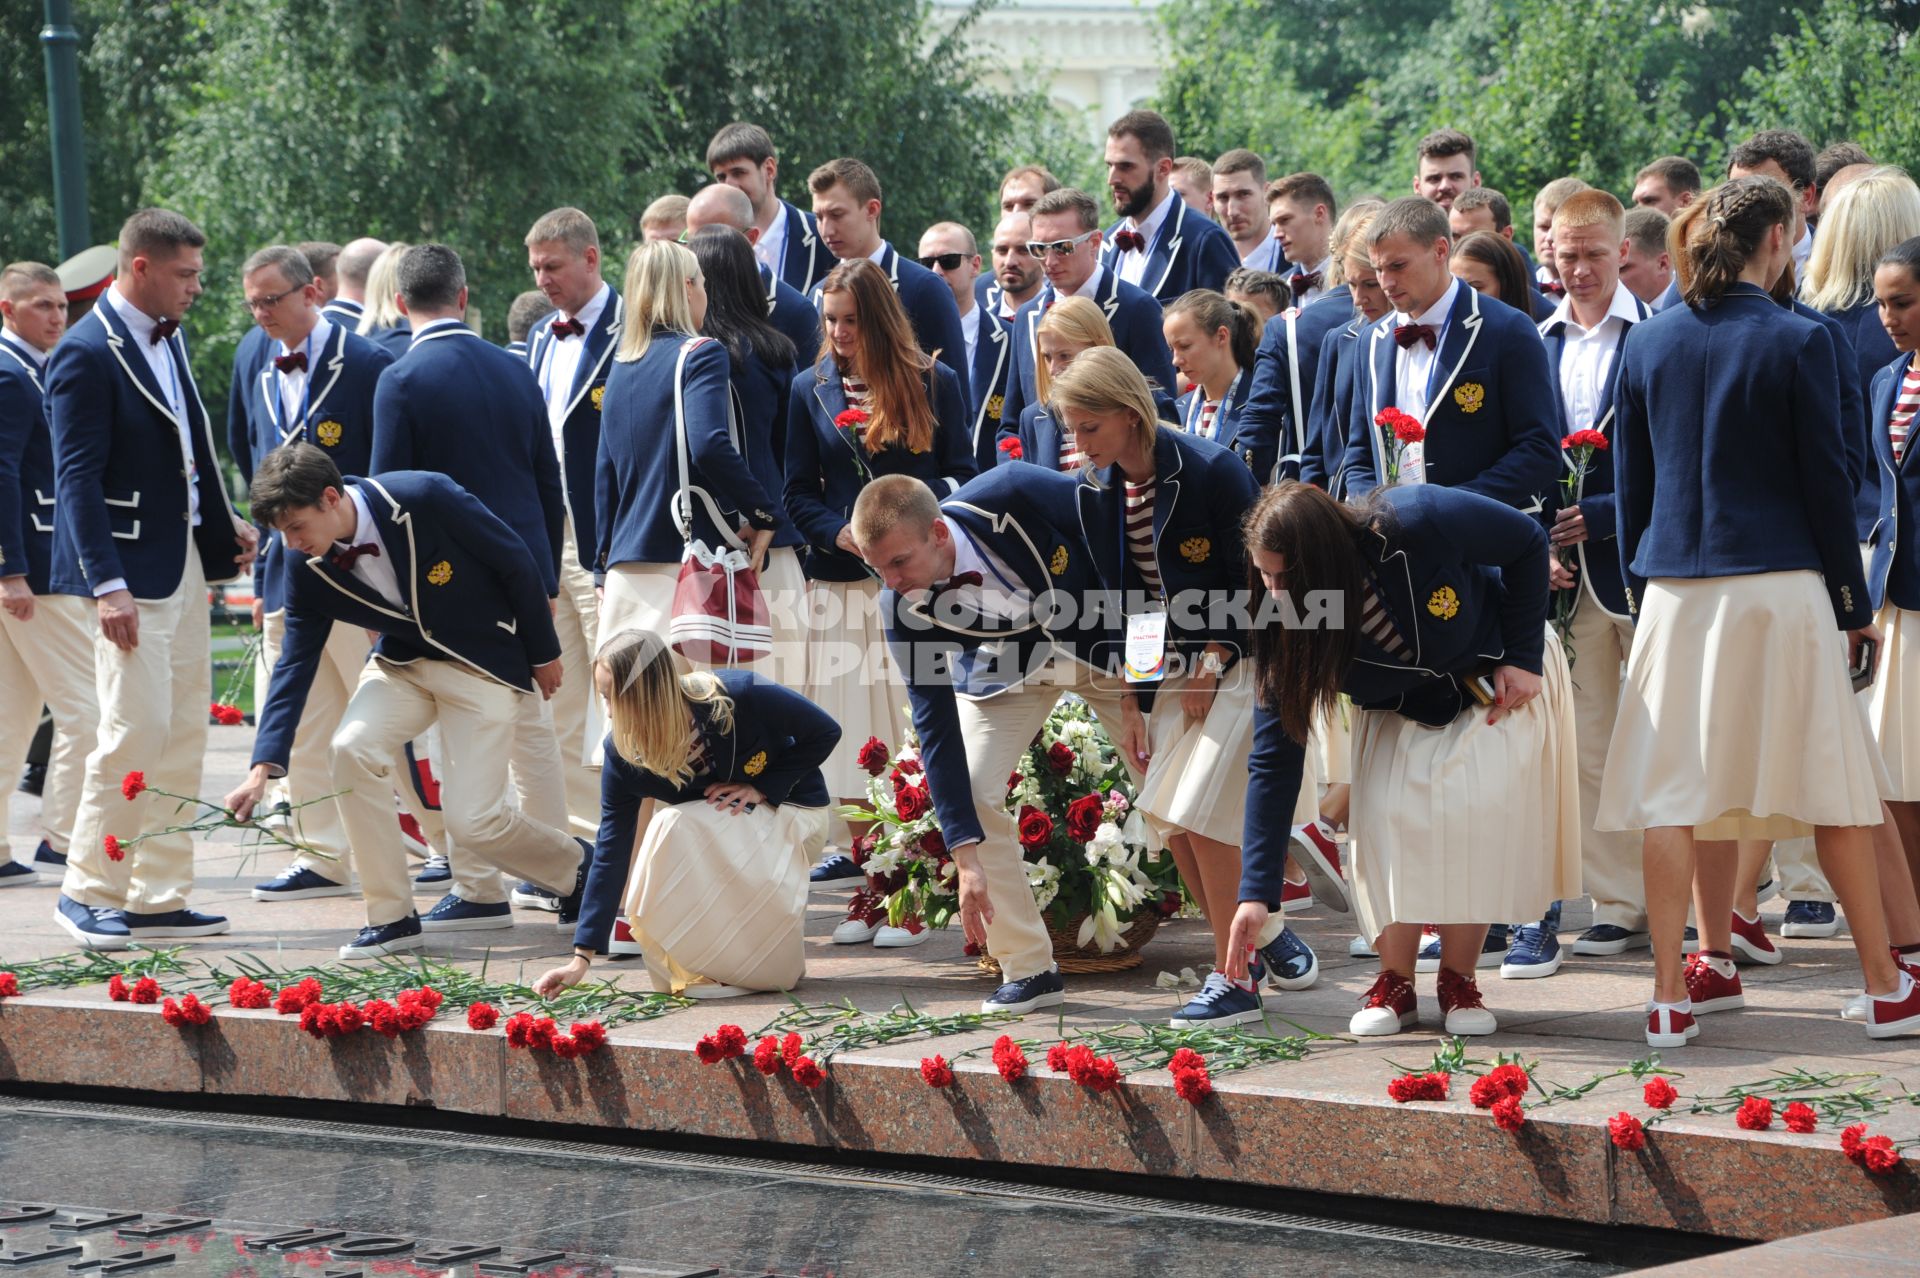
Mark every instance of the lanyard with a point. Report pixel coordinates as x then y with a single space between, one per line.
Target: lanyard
1197 408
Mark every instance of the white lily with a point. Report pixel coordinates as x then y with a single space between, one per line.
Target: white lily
1102 929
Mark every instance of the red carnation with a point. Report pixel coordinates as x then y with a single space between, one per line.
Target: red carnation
1756 1114
1036 827
807 1073
482 1016
225 715
790 1048
1659 1093
1060 757
117 988
1012 448
766 1055
112 846
1185 1059
382 1017
519 1027
347 1017
1852 1141
132 784
1501 1082
1083 817
1057 1058
9 985
1507 1114
1406 429
565 1046
732 1040
188 1011
936 1071
1584 439
592 1035
247 992
541 1033
295 999
1103 1075
1801 1118
1192 1085
1879 1156
851 417
708 1051
1627 1131
146 990
873 756
1419 1087
1009 1059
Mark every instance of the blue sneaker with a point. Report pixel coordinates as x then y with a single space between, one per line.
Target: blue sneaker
45 858
1220 1002
1042 989
454 914
568 906
1810 918
1610 938
388 938
1286 963
1492 954
836 871
171 923
435 876
14 874
531 896
94 929
1535 949
298 883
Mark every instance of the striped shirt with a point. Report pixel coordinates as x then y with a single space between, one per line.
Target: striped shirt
1208 411
861 397
1139 512
1071 458
1905 405
1376 624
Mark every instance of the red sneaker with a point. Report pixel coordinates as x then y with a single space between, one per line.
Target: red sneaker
1670 1027
1388 1007
1317 856
1295 896
1897 1013
1751 944
865 913
1460 1000
1710 991
1910 962
623 942
413 836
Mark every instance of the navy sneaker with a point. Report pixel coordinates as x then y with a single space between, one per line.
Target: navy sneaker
435 875
1220 1002
837 870
531 896
171 923
389 938
568 906
1610 938
1042 989
1810 918
1535 949
454 914
298 883
94 929
1286 963
45 858
1492 954
14 874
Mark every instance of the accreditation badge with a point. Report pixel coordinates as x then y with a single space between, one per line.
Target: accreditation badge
1413 463
1146 654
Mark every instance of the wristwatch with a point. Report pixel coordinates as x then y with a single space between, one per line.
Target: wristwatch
1210 663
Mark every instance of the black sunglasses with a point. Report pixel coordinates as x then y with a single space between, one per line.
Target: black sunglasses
945 261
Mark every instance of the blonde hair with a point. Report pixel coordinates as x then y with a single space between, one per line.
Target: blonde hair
1104 380
1077 320
890 501
1858 224
383 285
1349 238
656 295
651 709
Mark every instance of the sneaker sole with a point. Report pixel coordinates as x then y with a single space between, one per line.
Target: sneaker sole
546 904
715 991
1603 949
1893 1029
1038 1001
1406 1022
1217 1022
21 880
174 933
468 925
849 938
1293 984
623 949
1745 950
836 885
1532 971
1674 1040
1329 889
901 940
92 940
1461 1031
404 945
303 894
1725 1003
1811 931
1357 948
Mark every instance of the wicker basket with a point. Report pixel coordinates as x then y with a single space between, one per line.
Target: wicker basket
1071 958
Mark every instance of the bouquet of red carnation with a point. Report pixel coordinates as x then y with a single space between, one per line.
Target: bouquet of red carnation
1399 431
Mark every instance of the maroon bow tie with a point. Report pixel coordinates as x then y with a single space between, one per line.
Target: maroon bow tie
1552 289
1407 334
565 328
954 582
291 361
1130 241
344 560
162 330
1303 282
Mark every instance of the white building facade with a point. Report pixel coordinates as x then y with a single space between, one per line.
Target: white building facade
1097 59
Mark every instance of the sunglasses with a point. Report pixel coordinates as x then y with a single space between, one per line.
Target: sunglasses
944 261
1064 248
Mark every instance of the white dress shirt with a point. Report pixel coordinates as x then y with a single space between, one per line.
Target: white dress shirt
1132 264
771 247
35 357
1586 359
294 386
173 382
1090 289
377 572
1413 365
970 326
1000 593
1802 250
561 364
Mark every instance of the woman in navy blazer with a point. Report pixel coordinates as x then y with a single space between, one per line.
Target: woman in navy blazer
718 774
1432 619
1212 342
1732 501
663 372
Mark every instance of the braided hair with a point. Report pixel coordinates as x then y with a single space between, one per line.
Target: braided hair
1714 238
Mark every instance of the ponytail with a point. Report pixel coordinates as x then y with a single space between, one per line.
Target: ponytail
1714 238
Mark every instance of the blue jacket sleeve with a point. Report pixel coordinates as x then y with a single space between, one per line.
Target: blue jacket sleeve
392 425
1264 417
482 534
1823 477
300 655
546 482
1360 471
1016 401
1599 512
1532 458
1323 425
623 789
19 417
936 718
812 734
603 510
950 435
239 437
80 410
710 446
937 321
1633 482
819 525
1274 769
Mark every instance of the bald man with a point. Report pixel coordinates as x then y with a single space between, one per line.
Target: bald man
787 308
355 260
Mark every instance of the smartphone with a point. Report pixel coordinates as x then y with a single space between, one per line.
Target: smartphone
1482 689
1863 668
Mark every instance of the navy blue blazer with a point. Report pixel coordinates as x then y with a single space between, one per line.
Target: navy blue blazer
1853 418
1894 571
789 311
1873 350
1332 402
805 260
1464 579
1736 405
826 469
1670 298
639 468
120 491
397 340
339 421
777 743
1024 516
930 307
248 358
987 379
457 404
1490 418
1270 434
469 592
1597 559
580 437
1134 318
759 392
1189 251
26 471
344 310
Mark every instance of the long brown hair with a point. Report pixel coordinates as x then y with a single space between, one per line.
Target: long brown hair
1297 672
1712 239
886 358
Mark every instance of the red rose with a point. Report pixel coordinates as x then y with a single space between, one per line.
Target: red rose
807 1073
1627 1131
117 988
972 949
732 1040
132 784
1009 1059
1659 1093
911 767
1057 1058
1083 817
1879 1155
1013 779
1169 903
146 990
851 417
862 848
482 1016
912 802
766 1055
1060 757
873 756
708 1051
936 1071
1419 1087
1756 1114
1012 448
1036 827
112 846
1508 1116
591 1036
225 715
790 1048
1801 1118
9 985
1192 1085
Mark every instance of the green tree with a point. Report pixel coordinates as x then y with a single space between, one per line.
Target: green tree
1848 71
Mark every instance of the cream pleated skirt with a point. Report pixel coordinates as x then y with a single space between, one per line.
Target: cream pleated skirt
1469 823
851 676
723 897
637 596
1197 777
1737 717
1333 742
1893 702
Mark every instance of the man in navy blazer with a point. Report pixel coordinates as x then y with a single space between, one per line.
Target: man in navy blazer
846 209
1470 369
788 243
993 609
1271 432
465 633
46 639
787 308
949 250
1066 225
1159 244
350 270
142 526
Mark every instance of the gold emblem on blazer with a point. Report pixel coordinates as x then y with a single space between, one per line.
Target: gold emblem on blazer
599 393
996 403
1195 550
328 433
1470 396
1058 564
756 765
441 573
1443 603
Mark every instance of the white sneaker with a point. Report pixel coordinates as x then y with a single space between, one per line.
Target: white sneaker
713 989
1854 1009
865 917
1360 947
911 932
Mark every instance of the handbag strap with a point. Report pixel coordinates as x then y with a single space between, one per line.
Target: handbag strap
1293 378
683 500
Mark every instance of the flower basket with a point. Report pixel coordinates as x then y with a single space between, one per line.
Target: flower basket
1071 957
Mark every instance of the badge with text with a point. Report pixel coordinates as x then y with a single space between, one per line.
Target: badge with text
1146 647
1413 463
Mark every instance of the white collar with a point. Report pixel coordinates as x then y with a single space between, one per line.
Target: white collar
438 326
138 322
589 315
315 343
1621 307
1150 228
878 256
38 357
1326 264
364 530
1435 315
1091 289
